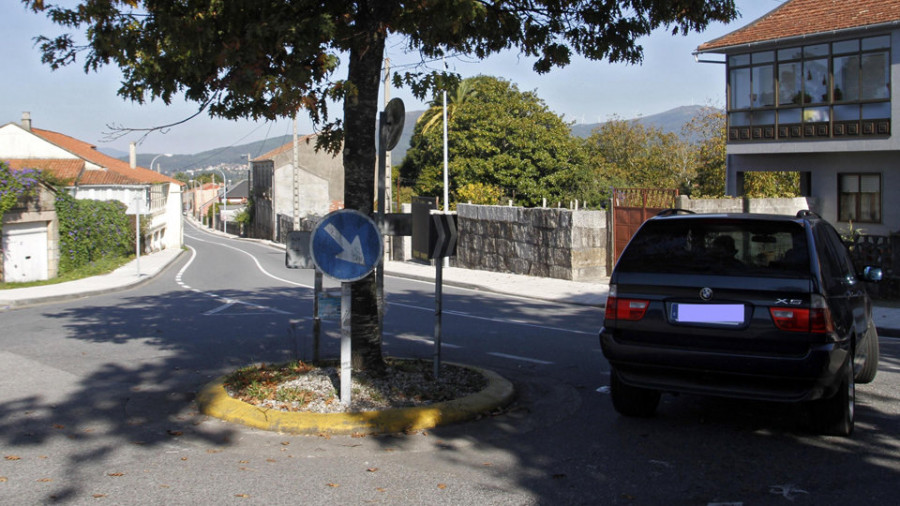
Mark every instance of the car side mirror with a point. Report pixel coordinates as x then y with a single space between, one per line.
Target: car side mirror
872 273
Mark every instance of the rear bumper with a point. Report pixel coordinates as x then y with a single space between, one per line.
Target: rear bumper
769 377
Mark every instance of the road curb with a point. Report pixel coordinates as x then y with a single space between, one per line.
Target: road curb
114 288
214 401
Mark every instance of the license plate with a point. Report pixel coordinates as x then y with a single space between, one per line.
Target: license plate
718 314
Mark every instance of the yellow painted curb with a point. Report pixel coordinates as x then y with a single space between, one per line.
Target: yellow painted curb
213 400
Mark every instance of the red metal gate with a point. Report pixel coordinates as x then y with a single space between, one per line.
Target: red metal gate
632 207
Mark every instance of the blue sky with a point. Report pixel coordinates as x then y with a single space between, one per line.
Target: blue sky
82 105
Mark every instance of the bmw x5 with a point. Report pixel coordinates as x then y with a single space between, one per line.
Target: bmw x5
753 306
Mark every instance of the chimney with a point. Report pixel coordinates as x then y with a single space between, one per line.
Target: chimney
132 156
26 120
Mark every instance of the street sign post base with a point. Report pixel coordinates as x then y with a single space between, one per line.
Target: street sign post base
346 355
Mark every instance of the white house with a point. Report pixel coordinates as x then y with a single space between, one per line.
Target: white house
89 174
810 90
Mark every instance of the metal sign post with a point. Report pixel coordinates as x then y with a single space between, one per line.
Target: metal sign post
390 127
346 245
346 355
297 255
317 320
438 315
435 237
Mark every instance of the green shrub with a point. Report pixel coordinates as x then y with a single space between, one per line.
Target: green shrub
90 230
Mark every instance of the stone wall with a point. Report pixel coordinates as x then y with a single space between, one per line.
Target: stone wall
555 243
561 243
787 206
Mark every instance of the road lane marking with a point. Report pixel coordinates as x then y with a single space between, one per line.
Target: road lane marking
255 261
409 306
495 320
417 339
226 302
523 359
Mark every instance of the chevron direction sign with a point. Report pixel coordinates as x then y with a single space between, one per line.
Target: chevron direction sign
346 245
443 230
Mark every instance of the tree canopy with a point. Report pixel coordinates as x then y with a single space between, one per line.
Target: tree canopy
500 138
625 153
271 58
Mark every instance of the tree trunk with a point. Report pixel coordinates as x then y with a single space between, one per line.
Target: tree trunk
360 115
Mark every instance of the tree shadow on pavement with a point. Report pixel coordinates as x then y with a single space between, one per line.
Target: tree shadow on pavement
125 375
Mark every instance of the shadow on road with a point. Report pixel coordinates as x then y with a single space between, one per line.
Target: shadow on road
125 376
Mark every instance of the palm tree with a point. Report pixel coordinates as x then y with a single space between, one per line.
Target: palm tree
433 116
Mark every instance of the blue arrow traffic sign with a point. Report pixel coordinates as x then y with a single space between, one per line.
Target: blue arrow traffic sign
346 245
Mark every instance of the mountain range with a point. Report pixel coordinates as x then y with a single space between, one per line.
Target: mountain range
234 158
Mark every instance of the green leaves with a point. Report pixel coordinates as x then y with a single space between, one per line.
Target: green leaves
15 185
267 59
502 142
90 230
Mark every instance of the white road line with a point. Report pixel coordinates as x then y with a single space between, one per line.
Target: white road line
255 261
523 359
408 306
423 340
226 303
495 320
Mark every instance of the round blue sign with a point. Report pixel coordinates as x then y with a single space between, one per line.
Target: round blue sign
346 245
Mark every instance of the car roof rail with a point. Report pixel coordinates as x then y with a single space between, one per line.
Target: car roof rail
806 213
670 212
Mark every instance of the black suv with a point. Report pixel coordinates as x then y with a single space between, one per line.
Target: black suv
752 306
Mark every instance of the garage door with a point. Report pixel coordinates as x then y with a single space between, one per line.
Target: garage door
25 252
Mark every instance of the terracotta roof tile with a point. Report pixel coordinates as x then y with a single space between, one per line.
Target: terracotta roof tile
66 169
114 171
796 18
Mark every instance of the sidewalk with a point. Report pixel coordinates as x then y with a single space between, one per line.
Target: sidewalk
559 290
887 319
130 275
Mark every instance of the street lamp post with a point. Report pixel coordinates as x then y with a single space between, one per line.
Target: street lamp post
224 202
194 199
157 156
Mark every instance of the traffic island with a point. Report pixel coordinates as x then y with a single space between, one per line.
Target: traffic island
213 400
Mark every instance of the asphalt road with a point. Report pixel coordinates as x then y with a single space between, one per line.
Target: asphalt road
96 407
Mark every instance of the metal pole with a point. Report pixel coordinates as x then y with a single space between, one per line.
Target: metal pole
224 202
317 320
295 178
379 221
387 174
438 292
345 343
137 234
156 157
446 260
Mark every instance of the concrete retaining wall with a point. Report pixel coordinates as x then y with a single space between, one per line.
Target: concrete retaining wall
555 243
787 206
561 243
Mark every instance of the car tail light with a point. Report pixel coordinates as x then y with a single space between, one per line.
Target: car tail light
624 309
815 319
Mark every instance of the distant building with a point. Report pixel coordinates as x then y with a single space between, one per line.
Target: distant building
809 89
200 197
320 186
89 174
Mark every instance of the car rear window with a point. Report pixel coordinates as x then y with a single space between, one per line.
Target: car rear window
734 247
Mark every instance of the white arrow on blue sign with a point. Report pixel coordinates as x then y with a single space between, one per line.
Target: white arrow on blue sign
346 245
